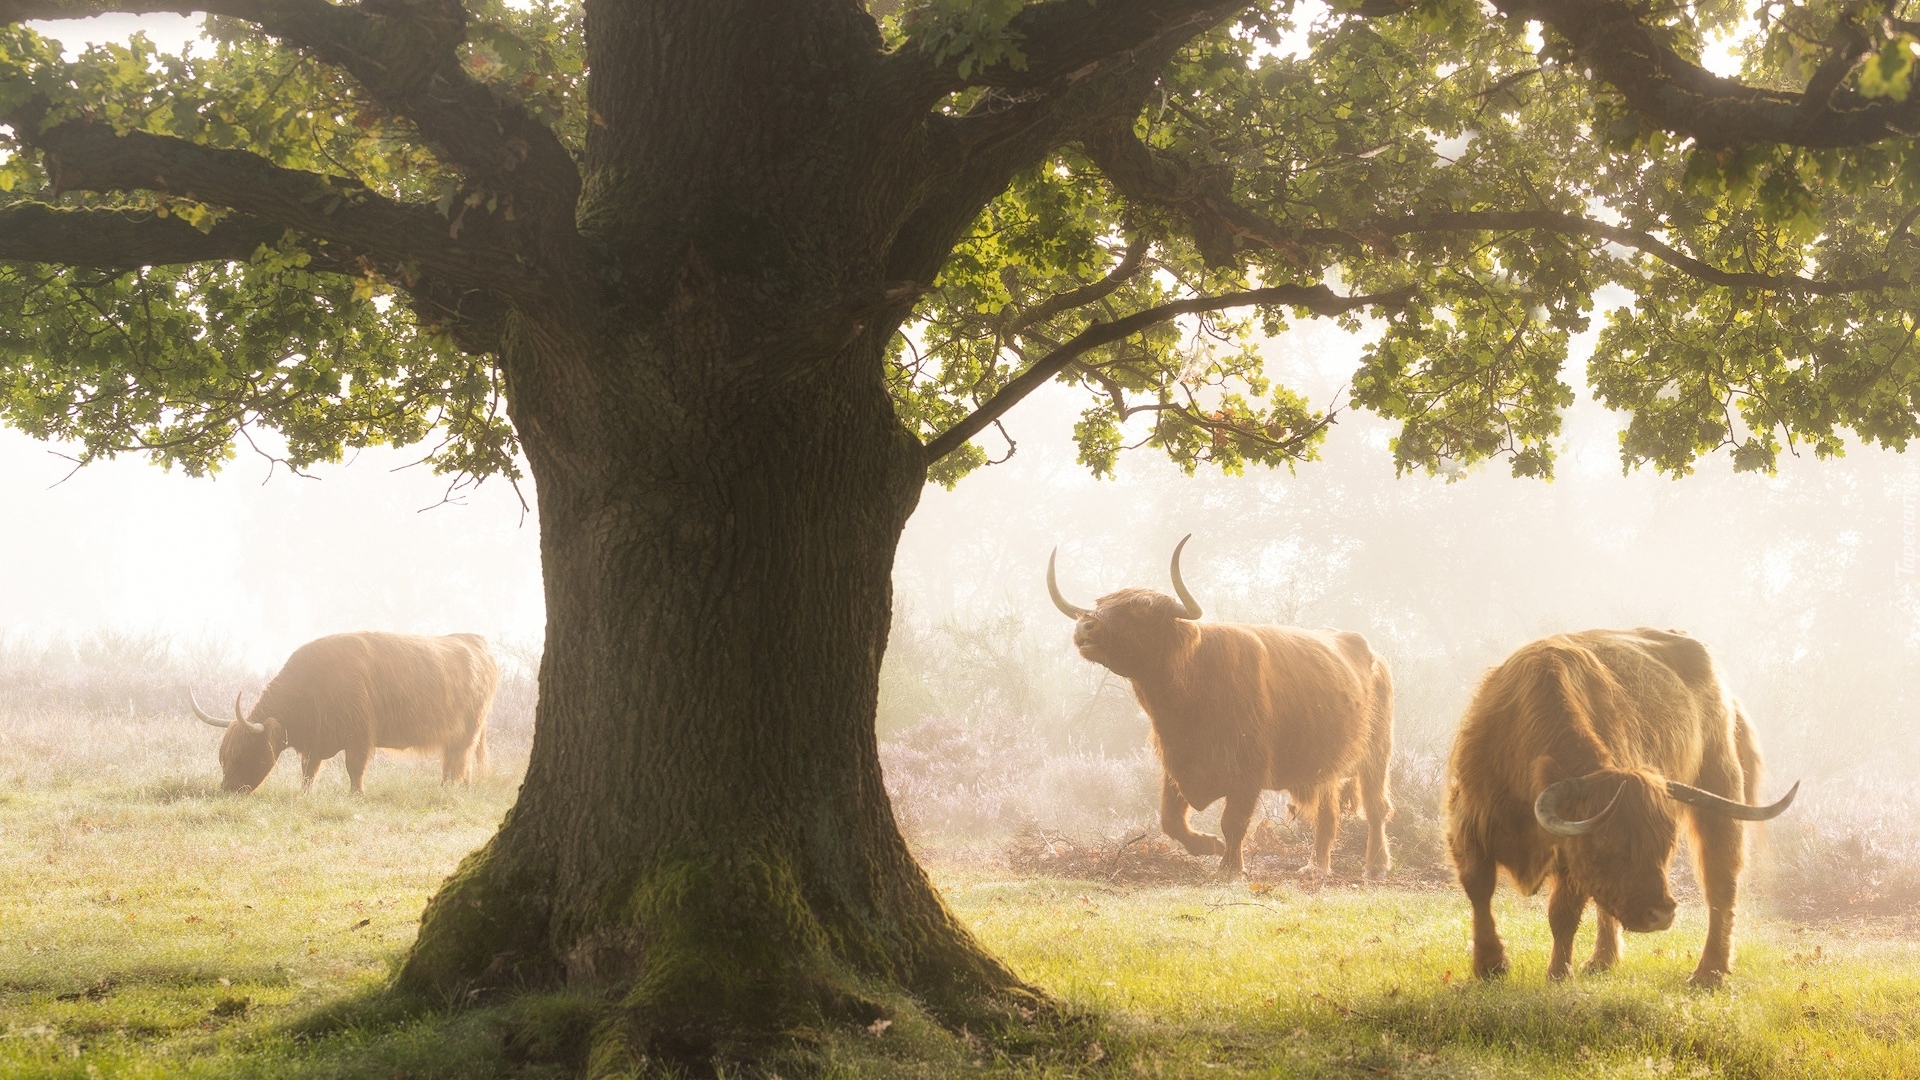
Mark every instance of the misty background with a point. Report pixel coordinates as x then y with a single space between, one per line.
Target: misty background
1802 584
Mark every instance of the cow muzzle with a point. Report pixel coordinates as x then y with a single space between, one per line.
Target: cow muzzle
1651 919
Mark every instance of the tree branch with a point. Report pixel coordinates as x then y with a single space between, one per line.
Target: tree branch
14 11
1316 298
1201 194
90 157
1687 99
1069 41
124 239
1222 225
1576 225
974 157
1128 266
405 54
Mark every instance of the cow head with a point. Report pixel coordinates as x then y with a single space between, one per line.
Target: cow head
1621 828
1130 632
250 748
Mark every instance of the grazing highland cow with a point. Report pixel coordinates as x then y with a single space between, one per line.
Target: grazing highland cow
1239 708
350 693
1576 761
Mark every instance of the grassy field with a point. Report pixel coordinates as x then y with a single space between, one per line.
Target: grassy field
150 927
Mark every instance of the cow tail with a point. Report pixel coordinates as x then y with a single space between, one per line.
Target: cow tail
480 765
1375 780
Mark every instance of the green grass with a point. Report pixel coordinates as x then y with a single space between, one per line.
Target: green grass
150 927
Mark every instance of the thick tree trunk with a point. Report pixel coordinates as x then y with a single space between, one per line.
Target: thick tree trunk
703 839
702 835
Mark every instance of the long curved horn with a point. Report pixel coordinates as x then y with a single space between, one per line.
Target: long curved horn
1707 800
238 715
1070 610
205 717
1179 586
1546 808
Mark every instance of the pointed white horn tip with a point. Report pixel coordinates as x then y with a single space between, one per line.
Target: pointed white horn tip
1785 801
204 716
240 714
1067 607
1193 609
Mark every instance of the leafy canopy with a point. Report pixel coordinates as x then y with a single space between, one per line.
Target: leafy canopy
1499 177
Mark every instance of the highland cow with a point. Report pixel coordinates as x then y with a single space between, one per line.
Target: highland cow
350 693
1577 760
1238 709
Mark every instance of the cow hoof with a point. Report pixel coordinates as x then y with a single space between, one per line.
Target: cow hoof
1707 980
1316 870
1559 972
1598 967
1492 969
1377 873
1225 874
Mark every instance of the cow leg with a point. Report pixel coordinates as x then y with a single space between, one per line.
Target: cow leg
1719 845
1478 875
309 769
1373 795
1564 909
1173 821
357 759
1606 944
456 762
1234 821
1326 823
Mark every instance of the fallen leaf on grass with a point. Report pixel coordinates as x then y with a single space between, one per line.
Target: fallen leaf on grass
361 923
92 993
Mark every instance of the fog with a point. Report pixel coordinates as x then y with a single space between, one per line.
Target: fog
1801 583
260 562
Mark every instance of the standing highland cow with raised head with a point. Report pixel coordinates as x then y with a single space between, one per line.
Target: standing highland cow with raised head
350 693
1576 761
1238 709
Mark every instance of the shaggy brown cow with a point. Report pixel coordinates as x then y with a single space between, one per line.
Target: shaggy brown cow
1238 708
1576 761
350 693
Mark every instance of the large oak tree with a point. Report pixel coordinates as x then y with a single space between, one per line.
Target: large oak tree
738 276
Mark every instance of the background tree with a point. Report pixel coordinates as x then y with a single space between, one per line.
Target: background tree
743 274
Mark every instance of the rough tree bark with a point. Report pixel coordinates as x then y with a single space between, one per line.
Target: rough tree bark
702 830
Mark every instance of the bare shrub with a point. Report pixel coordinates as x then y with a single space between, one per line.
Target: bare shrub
955 783
1844 850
